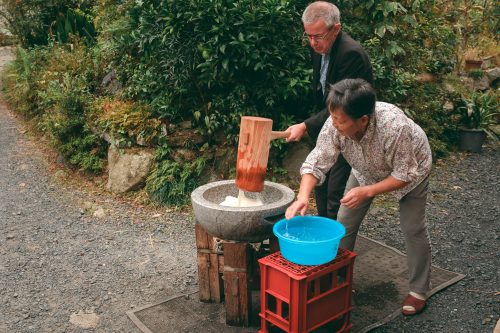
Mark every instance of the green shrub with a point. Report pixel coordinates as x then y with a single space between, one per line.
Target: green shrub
403 38
126 121
34 22
52 86
66 126
18 82
212 61
74 22
425 105
172 182
23 83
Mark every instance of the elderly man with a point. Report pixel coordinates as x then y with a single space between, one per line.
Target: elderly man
388 152
335 56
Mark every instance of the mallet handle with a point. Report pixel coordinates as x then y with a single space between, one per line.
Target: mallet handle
279 135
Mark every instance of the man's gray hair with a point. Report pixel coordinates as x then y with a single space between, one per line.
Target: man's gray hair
317 10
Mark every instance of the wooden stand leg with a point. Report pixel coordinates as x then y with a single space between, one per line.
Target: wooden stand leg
238 259
210 267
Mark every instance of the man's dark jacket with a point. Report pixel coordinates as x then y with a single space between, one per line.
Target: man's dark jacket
348 60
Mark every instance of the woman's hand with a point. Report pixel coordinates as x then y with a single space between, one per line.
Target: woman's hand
355 197
299 206
307 184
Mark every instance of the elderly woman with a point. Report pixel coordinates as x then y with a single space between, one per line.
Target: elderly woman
388 152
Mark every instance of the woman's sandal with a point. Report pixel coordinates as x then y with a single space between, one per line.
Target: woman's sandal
417 304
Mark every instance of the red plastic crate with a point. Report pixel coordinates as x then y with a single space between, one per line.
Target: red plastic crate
300 299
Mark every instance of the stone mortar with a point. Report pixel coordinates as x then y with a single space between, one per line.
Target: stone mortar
250 224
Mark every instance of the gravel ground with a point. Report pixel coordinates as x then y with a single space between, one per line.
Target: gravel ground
59 262
73 259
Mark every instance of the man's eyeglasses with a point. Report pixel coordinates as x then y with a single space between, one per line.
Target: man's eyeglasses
317 38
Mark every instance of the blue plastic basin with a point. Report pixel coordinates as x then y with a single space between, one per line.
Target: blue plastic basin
309 240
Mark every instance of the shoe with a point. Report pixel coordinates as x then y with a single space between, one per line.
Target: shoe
418 305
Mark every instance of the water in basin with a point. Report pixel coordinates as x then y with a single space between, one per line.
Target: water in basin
306 233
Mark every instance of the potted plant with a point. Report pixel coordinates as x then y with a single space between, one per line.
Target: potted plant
477 115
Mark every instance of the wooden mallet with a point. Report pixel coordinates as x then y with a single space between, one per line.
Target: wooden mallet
255 137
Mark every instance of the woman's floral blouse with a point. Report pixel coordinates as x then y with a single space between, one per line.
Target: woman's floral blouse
393 145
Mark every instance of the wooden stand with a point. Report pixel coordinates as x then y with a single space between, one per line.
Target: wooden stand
210 266
238 266
229 274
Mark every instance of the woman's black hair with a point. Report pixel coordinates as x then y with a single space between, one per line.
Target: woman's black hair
355 97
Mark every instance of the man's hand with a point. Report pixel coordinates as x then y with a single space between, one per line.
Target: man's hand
299 206
296 132
355 197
